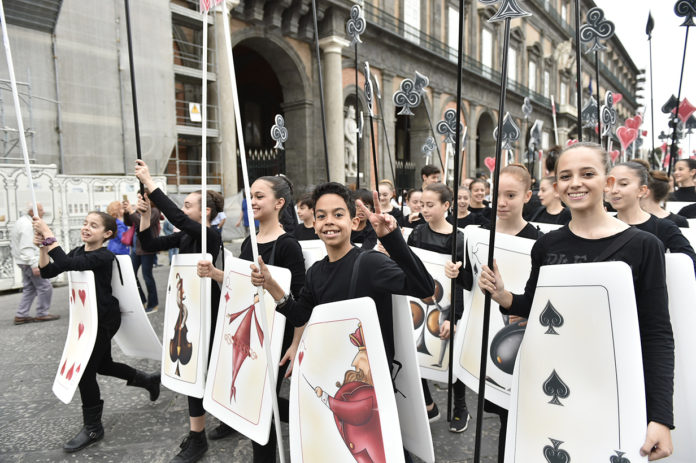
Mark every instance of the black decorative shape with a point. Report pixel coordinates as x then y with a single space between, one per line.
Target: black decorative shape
420 82
663 136
356 24
526 108
368 87
596 29
428 146
535 134
511 132
448 126
686 9
589 114
505 345
554 454
619 458
508 9
406 97
554 387
550 318
608 114
279 133
670 105
690 124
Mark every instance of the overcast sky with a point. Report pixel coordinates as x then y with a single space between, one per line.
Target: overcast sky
630 18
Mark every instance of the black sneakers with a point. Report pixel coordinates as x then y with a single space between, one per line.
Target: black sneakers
193 447
460 420
221 432
434 414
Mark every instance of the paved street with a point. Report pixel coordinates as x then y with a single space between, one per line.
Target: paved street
35 424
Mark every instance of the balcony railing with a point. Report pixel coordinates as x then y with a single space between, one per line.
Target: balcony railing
183 116
191 55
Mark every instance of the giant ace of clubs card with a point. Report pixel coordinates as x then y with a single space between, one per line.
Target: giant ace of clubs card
237 390
512 256
82 332
186 334
342 406
681 289
428 314
135 337
578 392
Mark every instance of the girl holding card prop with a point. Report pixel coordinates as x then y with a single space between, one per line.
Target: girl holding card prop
658 190
684 175
188 240
514 192
464 216
478 204
552 210
630 187
414 217
436 235
97 228
269 198
582 176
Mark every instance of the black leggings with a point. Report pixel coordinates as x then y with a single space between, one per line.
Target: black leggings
101 362
195 404
458 388
490 407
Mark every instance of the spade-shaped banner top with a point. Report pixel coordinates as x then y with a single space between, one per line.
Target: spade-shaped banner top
511 132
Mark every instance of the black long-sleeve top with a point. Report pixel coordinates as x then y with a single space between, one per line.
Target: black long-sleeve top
686 194
470 219
680 221
288 254
380 277
670 235
645 255
133 220
688 211
542 215
367 236
303 233
100 262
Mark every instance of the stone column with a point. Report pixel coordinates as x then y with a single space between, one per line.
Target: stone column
333 99
389 121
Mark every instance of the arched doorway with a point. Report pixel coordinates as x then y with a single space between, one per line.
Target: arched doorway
485 143
355 146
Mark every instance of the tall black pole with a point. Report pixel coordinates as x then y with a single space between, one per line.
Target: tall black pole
369 96
432 130
578 59
652 102
138 149
321 88
374 153
357 122
384 129
674 149
599 106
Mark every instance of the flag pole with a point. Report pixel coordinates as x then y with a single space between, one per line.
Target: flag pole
321 88
674 148
578 65
555 125
648 29
138 149
204 138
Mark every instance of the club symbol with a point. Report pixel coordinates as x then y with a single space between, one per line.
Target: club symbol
554 387
550 318
448 126
608 113
508 9
527 108
554 454
663 136
589 114
535 134
686 9
356 25
407 97
428 147
368 87
596 28
511 132
619 458
279 133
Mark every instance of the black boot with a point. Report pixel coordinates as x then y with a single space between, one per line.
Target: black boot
149 382
91 432
221 432
193 447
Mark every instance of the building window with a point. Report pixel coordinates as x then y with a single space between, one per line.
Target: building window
564 12
412 18
533 75
512 64
547 84
487 49
564 93
453 32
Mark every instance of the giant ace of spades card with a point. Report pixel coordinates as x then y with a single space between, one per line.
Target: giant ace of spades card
428 314
82 332
342 406
578 391
512 257
135 337
681 289
186 334
237 389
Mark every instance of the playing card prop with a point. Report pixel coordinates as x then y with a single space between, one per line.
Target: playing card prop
546 227
512 256
135 337
428 314
237 390
410 403
186 330
681 289
336 415
578 391
676 206
82 332
312 251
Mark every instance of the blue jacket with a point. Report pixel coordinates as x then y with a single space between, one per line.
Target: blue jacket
114 245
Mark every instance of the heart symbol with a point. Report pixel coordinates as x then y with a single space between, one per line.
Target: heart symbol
83 295
77 370
301 356
571 142
72 299
644 133
666 161
68 376
634 122
663 148
617 97
80 330
62 369
626 136
614 155
490 163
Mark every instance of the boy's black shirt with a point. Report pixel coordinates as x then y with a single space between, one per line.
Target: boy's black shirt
379 278
303 233
367 236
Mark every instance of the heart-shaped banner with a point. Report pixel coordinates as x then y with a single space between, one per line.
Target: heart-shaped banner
490 163
69 374
301 357
571 142
634 122
617 97
83 295
615 155
626 136
80 330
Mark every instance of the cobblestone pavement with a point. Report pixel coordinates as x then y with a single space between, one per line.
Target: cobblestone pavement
35 424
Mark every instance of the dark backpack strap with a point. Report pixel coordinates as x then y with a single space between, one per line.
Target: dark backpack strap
120 274
354 276
617 244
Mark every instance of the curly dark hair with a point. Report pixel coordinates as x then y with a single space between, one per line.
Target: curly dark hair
334 188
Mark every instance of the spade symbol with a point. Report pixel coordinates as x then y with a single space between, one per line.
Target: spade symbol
619 458
511 132
554 454
589 114
670 105
554 387
550 318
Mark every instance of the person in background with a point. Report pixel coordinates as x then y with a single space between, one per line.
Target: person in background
386 196
219 221
363 233
169 229
430 174
244 218
413 202
305 210
142 258
115 210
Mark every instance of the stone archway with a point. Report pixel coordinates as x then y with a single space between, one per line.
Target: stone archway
485 143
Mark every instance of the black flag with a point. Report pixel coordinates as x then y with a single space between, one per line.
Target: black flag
650 26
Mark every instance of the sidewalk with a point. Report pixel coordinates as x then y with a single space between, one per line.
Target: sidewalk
35 423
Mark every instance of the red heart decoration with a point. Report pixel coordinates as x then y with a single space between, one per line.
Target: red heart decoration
68 376
634 122
73 295
62 369
617 97
663 148
571 142
614 155
645 133
686 109
490 163
80 330
666 161
83 295
77 370
301 356
626 136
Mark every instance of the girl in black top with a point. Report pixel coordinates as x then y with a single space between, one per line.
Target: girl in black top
478 196
188 240
551 210
436 236
97 228
386 195
464 216
581 173
363 233
630 186
414 217
684 173
658 189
